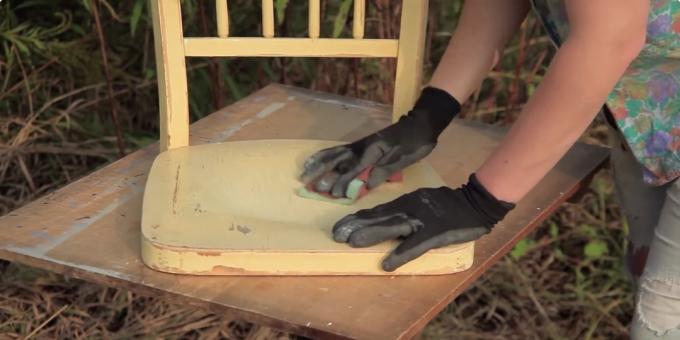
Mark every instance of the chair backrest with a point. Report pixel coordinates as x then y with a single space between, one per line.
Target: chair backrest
172 47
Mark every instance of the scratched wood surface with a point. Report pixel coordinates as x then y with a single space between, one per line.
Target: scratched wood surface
90 229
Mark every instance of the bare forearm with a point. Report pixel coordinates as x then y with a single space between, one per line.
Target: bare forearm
484 29
574 89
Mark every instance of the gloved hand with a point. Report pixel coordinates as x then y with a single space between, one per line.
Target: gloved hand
389 150
427 218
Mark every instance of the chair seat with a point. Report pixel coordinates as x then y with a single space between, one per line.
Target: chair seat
231 209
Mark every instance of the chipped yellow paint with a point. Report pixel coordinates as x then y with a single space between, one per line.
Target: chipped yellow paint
204 208
196 262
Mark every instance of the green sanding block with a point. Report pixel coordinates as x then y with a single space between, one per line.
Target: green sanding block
356 189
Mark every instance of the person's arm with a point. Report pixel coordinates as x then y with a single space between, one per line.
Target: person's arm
484 28
605 36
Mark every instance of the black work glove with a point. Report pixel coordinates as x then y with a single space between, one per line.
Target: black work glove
389 150
427 218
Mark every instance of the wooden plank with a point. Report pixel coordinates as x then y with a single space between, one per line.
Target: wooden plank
290 47
172 86
410 56
90 229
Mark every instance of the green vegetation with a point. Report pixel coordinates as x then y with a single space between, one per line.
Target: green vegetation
56 124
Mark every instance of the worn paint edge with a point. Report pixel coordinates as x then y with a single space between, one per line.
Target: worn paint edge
271 108
199 262
30 252
79 226
264 113
356 103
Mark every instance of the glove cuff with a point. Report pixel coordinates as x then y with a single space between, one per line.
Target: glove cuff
437 107
489 208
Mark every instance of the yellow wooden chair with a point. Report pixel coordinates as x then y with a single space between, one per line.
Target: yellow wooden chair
230 208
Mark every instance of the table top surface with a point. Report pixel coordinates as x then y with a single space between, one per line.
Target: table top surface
90 229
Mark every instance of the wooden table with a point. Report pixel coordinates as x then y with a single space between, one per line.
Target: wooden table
90 229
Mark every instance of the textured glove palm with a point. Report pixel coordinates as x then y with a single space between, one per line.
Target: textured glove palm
389 150
425 219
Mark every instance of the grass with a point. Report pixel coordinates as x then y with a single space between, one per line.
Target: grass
564 281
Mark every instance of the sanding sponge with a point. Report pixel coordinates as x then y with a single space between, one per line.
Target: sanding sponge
356 189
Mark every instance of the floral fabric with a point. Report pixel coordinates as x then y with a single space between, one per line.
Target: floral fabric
646 100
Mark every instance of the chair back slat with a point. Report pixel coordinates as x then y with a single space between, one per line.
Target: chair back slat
268 18
314 18
359 17
222 12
